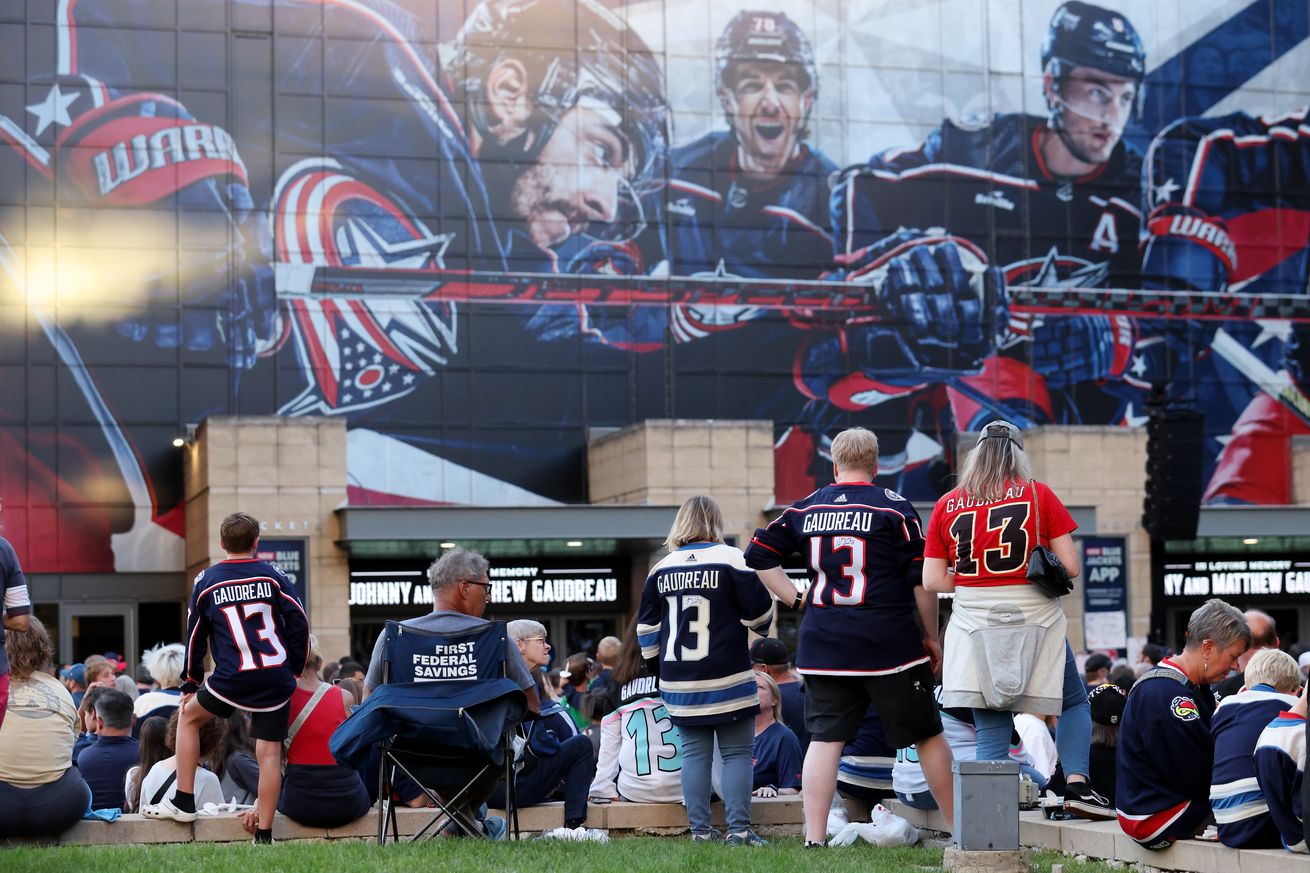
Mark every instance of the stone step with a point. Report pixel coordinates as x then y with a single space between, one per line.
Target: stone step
1105 840
770 815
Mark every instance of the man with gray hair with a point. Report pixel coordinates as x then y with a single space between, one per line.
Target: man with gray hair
460 592
1264 635
1166 751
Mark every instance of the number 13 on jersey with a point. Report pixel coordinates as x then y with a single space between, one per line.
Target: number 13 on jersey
838 565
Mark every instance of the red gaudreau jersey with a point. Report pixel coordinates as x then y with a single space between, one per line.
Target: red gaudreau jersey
988 543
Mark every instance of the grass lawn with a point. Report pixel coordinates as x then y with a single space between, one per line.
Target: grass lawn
626 855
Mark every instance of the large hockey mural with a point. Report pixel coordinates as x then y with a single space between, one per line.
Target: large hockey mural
479 231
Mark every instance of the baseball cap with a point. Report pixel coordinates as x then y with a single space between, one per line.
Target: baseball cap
1001 429
77 673
1107 702
770 652
1097 661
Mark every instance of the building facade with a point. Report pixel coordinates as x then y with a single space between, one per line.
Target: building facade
439 259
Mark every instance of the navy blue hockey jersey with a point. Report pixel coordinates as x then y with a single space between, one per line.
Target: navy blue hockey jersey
246 615
989 185
721 221
1165 757
864 547
696 606
1239 806
1280 770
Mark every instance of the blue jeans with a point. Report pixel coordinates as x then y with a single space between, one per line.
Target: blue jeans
736 744
1073 735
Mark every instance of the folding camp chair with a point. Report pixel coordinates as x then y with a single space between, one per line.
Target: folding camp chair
443 716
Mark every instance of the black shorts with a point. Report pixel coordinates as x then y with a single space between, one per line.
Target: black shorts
271 725
835 706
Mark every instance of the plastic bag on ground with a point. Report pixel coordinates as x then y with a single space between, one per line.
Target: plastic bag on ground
885 828
836 819
577 835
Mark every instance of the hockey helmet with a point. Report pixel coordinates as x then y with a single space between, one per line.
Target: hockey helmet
763 36
1082 35
574 51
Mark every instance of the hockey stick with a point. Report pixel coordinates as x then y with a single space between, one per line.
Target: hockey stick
1277 384
836 298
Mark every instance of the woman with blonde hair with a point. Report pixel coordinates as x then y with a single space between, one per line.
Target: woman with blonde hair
1005 648
696 607
777 751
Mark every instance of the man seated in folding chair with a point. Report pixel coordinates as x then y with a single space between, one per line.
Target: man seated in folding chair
443 693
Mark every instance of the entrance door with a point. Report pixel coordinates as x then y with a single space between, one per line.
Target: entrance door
95 628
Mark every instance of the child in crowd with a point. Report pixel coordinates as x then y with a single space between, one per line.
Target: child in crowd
245 613
1107 702
1280 770
1272 680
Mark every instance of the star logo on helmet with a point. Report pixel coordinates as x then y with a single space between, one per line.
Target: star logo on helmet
1163 192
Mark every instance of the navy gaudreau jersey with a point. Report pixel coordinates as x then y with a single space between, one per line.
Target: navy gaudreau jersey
696 607
246 615
864 547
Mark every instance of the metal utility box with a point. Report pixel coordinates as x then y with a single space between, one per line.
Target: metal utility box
986 805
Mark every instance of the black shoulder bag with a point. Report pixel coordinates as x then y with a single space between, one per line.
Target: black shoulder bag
1044 568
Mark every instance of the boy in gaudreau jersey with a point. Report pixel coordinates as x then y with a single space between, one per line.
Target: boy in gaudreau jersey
246 614
858 639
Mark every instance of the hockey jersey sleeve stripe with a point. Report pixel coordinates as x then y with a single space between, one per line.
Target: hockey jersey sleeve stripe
16 600
736 679
796 218
648 637
1146 828
697 190
758 620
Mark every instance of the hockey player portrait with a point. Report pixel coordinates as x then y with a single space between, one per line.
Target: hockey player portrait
1047 201
753 200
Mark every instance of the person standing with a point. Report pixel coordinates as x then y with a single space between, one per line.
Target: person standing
979 541
858 640
16 607
245 613
696 607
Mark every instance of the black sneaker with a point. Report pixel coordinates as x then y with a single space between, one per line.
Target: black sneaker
710 836
811 844
746 838
1082 801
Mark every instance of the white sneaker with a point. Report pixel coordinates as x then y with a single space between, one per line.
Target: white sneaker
166 810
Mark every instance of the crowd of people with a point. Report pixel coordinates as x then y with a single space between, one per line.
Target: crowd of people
876 702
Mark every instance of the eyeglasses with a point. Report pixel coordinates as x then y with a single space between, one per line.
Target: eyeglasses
485 585
533 640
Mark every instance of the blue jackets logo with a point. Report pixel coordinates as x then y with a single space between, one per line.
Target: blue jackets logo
1184 709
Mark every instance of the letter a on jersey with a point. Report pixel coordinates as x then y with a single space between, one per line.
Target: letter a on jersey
1106 238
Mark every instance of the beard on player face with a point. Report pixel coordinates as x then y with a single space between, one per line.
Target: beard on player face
576 179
